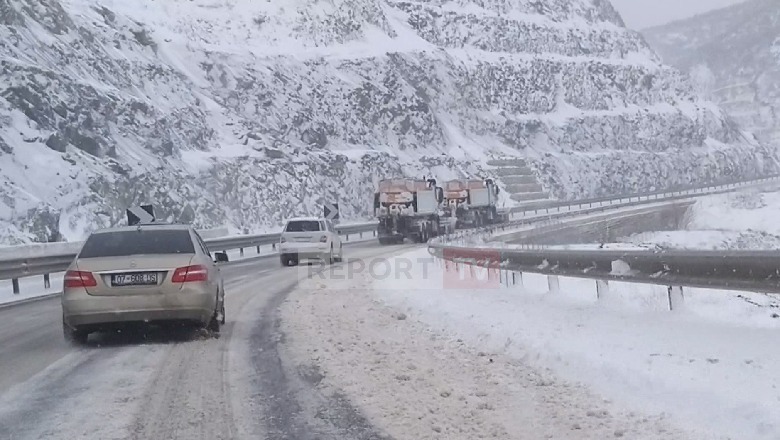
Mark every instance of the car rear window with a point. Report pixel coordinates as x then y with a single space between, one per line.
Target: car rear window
303 226
138 242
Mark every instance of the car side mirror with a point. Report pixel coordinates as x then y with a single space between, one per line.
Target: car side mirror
221 257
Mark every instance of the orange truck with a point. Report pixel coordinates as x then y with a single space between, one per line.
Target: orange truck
471 202
408 209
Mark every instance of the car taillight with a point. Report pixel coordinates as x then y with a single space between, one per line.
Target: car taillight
283 240
190 274
77 278
324 239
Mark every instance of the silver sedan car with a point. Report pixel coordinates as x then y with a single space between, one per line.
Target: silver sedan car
142 274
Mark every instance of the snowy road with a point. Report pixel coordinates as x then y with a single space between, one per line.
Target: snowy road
171 385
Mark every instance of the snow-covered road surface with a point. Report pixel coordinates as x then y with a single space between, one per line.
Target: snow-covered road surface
166 384
359 354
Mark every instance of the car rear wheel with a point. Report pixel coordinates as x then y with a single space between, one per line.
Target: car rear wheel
289 260
74 336
217 320
214 325
222 310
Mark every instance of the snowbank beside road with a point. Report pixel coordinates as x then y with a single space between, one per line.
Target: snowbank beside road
705 240
424 362
740 221
740 211
708 375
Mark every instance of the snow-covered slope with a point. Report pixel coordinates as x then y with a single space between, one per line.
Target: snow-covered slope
244 112
733 54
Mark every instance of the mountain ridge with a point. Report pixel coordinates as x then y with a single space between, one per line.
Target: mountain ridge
238 113
734 56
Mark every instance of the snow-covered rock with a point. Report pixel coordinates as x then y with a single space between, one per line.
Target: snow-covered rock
734 55
240 113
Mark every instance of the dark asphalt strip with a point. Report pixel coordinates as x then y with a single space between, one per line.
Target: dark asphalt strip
294 408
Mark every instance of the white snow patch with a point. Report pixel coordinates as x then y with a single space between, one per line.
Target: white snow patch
712 374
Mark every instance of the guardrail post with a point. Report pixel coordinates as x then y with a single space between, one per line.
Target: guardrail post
46 281
258 248
517 278
347 237
361 235
15 285
554 283
676 297
602 289
241 251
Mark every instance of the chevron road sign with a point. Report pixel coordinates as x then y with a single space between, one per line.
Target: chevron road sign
140 214
331 211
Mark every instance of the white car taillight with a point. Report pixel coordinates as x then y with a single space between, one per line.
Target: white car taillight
283 240
324 239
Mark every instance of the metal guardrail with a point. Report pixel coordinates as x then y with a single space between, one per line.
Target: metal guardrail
755 271
21 266
682 191
26 266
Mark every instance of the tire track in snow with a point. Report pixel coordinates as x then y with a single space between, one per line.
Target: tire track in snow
293 406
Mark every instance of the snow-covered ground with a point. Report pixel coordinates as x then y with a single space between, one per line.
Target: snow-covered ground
742 220
419 372
705 371
30 287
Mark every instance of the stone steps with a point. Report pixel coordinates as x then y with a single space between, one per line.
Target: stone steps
514 188
514 171
507 163
520 197
519 180
534 204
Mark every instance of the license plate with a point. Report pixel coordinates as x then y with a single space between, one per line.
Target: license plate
134 279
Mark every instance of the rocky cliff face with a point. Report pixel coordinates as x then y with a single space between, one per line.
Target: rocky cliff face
242 113
733 57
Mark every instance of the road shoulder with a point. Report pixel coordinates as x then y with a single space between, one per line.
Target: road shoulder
413 382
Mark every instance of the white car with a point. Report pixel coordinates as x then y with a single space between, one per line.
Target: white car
310 238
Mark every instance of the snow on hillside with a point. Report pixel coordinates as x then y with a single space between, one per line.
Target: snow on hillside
733 55
241 113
